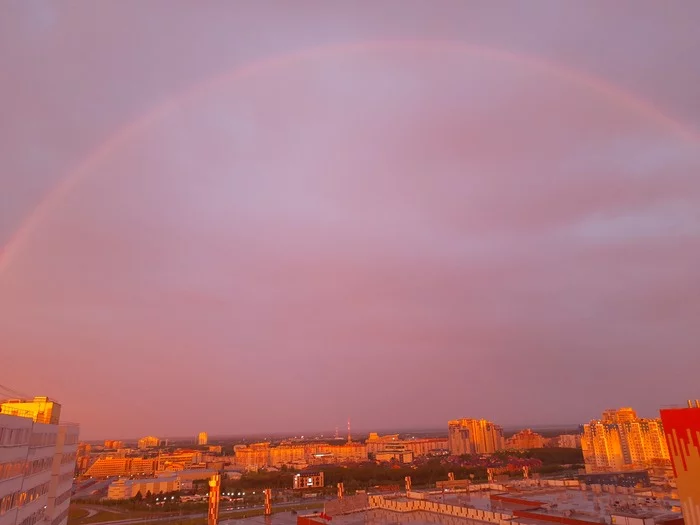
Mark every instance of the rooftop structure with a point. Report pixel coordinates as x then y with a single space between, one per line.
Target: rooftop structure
41 409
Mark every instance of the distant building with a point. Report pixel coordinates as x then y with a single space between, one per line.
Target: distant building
253 457
308 480
396 452
202 438
419 447
128 488
109 466
525 439
568 441
82 460
179 460
217 449
148 442
287 454
349 452
37 462
114 444
682 429
261 455
622 441
474 436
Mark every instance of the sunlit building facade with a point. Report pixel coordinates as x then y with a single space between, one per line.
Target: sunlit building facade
288 454
474 436
202 438
524 440
179 460
253 457
349 452
148 442
41 409
109 465
622 441
37 462
114 444
682 431
129 488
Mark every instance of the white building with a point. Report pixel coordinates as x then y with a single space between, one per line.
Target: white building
128 488
202 438
37 462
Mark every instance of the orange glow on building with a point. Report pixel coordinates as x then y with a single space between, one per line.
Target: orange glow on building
525 439
682 430
474 436
148 442
41 409
108 466
622 441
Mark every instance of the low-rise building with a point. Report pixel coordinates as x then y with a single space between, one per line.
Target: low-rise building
129 488
420 447
308 480
110 465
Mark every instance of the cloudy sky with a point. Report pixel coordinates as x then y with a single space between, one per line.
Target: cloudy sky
271 216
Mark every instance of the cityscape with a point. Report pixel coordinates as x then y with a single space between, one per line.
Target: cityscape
349 262
616 469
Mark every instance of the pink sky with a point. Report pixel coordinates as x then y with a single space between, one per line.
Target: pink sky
399 233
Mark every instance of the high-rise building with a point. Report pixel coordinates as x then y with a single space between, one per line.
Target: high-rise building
474 436
622 441
148 442
525 439
37 461
114 444
202 438
682 430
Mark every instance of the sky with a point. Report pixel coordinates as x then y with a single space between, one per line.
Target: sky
269 216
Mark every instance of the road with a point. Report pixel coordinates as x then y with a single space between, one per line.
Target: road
179 517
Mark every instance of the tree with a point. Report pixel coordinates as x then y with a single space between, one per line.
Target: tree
148 495
138 497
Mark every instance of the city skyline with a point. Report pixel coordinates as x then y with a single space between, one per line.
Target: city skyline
264 217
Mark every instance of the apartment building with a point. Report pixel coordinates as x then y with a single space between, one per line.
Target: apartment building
622 441
474 436
524 440
37 462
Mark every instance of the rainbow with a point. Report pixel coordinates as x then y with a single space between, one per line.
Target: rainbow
132 129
